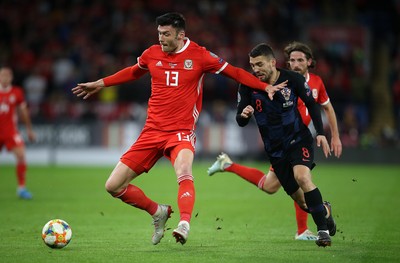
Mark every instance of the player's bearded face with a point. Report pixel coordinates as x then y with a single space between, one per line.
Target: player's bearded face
262 68
168 38
5 77
298 62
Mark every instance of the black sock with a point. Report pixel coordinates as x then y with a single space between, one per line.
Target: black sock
316 208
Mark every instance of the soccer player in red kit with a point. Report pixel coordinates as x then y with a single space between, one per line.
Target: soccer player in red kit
177 67
12 100
300 59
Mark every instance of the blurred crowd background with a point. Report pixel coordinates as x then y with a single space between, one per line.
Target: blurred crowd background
53 45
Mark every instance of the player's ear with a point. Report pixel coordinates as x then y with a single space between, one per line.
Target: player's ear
181 35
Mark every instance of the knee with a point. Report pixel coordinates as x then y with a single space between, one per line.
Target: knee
183 168
270 190
302 205
302 180
111 188
20 157
271 187
119 179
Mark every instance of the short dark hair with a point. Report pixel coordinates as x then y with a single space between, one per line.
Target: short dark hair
262 49
301 47
176 20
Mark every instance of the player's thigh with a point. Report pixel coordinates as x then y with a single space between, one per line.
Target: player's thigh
180 151
145 152
19 152
14 141
302 173
284 172
302 154
184 162
302 160
119 178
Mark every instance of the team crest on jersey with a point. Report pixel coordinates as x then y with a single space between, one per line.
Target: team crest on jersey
12 98
286 94
188 64
315 93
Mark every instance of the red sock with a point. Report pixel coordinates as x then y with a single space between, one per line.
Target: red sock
251 175
21 172
301 219
186 197
134 196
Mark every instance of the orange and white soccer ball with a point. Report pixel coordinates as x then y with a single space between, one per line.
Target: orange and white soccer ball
56 233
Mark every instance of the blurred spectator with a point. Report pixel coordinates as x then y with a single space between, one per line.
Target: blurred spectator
349 127
35 86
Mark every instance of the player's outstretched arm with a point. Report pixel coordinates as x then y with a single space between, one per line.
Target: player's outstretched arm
125 75
247 79
88 89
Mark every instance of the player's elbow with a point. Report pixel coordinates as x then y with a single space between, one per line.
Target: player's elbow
241 122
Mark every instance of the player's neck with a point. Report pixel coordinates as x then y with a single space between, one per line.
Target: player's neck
275 76
306 76
178 48
4 87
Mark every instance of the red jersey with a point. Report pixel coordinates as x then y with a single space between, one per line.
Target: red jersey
177 84
10 99
319 93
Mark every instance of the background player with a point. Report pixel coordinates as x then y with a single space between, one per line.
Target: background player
177 67
287 141
12 102
300 59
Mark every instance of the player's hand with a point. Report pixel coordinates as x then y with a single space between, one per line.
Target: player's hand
247 112
31 136
321 141
336 146
272 89
87 89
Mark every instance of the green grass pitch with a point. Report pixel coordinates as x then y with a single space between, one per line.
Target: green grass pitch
233 221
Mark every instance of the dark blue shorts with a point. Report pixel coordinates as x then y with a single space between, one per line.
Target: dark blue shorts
301 153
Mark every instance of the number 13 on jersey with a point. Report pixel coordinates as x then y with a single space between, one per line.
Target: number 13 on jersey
172 78
184 137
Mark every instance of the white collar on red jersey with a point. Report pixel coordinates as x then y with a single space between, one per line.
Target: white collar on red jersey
6 89
187 42
307 77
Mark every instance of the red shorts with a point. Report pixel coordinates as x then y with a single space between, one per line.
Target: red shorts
152 144
12 141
